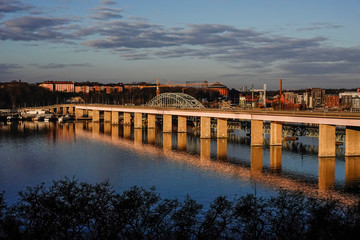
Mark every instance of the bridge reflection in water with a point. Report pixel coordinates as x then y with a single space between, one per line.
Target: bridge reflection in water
174 146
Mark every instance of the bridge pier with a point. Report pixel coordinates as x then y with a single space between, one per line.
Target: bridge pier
222 149
257 137
181 141
107 128
275 158
127 118
59 110
167 141
256 160
205 148
127 131
326 140
151 135
205 130
95 116
352 172
167 123
326 173
352 141
115 132
182 125
151 121
79 113
107 117
137 120
138 135
115 117
221 128
275 134
71 110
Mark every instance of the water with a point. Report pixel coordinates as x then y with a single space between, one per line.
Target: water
35 152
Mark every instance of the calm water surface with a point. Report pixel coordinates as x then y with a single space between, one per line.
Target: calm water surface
176 164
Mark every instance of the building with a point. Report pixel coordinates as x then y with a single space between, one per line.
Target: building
58 86
332 101
318 97
222 89
291 97
346 99
49 86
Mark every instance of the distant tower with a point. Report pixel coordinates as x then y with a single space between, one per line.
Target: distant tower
280 87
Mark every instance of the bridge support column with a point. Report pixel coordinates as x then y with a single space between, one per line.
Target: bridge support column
221 148
115 117
275 158
167 123
221 128
275 134
115 131
127 118
151 121
127 131
79 113
138 135
182 124
205 149
167 141
181 141
107 128
352 141
137 120
256 157
151 135
107 117
326 173
257 138
326 140
352 172
71 110
205 130
95 116
90 113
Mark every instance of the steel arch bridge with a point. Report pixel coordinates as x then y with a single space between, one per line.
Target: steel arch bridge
175 100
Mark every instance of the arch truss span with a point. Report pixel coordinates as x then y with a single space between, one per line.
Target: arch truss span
175 100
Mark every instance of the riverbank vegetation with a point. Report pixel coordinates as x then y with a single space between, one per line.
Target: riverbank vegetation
69 209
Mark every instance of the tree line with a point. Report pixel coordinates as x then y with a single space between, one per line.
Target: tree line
69 209
16 95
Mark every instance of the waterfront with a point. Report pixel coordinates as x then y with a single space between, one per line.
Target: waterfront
35 152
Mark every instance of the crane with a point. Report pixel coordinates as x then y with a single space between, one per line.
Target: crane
158 86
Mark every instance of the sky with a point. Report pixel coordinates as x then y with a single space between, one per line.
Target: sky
307 43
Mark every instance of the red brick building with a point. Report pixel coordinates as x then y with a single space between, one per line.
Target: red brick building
222 89
332 101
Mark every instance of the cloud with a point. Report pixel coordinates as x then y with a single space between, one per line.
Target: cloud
319 26
106 13
9 6
61 65
4 67
108 2
34 28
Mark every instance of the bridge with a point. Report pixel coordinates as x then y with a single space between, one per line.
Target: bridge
325 122
181 107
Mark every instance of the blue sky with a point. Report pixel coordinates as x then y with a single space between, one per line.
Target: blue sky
307 43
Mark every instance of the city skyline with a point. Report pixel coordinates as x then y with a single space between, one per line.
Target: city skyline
307 43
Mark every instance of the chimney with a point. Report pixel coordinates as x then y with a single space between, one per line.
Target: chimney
280 87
